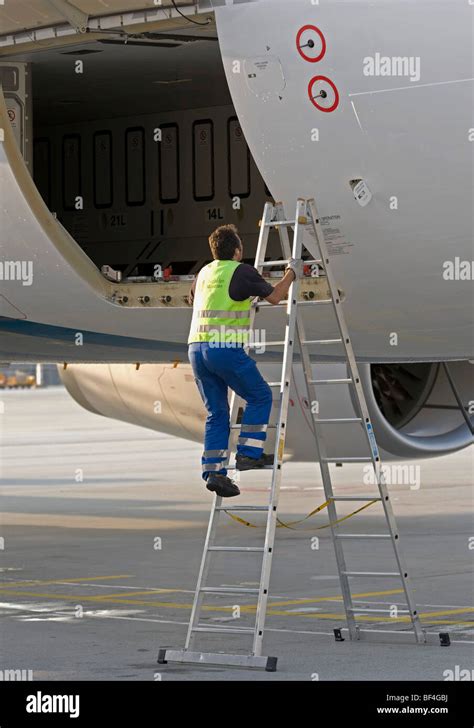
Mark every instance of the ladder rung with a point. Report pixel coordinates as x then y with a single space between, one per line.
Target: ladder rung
227 630
298 303
236 548
363 610
330 381
274 384
362 535
239 427
280 223
372 573
266 343
242 508
306 342
269 263
356 497
311 302
346 460
321 300
337 419
228 590
234 467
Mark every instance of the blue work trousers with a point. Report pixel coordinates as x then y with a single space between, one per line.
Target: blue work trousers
215 370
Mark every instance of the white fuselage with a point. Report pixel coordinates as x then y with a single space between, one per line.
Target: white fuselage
403 124
397 115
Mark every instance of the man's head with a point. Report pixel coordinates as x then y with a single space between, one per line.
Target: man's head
225 243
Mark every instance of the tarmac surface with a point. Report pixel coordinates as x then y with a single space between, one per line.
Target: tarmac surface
103 525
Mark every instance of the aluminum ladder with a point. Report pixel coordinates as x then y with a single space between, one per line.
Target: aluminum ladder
273 217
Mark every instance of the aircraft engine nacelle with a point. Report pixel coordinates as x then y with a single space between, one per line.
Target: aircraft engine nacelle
412 406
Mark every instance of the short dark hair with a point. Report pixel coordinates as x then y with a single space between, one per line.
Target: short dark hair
223 242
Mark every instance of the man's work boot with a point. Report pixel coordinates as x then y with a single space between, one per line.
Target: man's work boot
245 463
222 485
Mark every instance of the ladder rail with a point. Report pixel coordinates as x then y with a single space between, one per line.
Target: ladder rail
364 413
217 508
320 449
287 365
203 573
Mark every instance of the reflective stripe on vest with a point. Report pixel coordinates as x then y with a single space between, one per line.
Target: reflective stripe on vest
216 316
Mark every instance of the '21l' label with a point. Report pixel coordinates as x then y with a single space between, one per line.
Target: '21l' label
114 220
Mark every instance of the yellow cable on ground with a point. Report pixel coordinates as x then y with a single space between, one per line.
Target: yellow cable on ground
291 524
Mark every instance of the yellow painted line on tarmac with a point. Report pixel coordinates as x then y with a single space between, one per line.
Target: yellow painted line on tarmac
422 615
449 621
370 618
364 617
120 595
447 612
86 598
427 616
290 602
128 598
387 592
386 619
158 590
30 582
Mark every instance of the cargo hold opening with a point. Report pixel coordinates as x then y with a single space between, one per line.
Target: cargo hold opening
138 151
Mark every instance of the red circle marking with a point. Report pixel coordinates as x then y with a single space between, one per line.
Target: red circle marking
323 43
336 94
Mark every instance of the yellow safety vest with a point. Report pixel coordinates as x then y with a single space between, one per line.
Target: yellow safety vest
216 316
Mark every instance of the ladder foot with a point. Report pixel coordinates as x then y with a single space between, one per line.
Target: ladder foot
217 659
161 657
338 635
444 639
271 664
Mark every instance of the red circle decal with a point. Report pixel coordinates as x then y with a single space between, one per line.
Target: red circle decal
335 103
323 43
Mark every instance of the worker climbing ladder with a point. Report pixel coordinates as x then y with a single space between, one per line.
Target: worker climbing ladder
306 218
